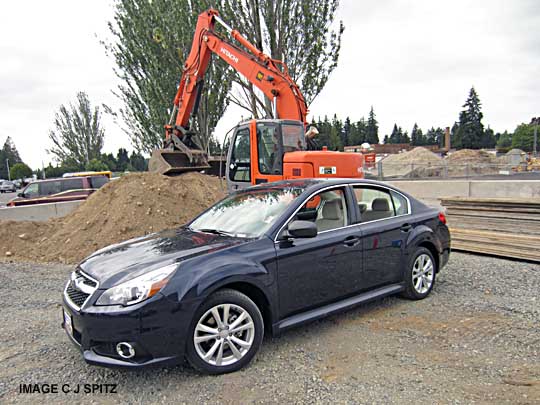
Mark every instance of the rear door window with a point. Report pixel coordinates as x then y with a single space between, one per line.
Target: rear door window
50 187
373 203
72 184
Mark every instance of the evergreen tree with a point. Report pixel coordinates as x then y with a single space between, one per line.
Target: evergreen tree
347 129
488 139
372 130
470 129
417 136
337 129
137 162
386 139
8 153
122 160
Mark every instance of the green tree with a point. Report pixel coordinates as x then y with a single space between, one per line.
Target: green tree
488 140
398 136
523 137
152 40
504 144
417 136
299 32
96 165
8 153
372 129
78 134
470 129
138 162
122 160
109 160
435 137
20 171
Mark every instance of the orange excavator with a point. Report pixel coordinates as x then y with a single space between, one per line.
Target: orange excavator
261 150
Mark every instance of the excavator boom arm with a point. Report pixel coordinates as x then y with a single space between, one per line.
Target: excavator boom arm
258 68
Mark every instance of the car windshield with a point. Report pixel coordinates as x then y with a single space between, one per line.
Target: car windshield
248 214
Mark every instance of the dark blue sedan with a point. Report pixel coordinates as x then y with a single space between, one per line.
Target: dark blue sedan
269 257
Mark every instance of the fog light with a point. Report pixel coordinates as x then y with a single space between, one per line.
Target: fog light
125 350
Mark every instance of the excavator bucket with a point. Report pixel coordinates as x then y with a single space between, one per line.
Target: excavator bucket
171 162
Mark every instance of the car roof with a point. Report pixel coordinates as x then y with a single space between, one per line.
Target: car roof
68 178
315 184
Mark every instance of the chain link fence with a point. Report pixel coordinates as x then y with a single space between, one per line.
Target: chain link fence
443 170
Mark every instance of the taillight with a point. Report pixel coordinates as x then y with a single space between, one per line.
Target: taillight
442 218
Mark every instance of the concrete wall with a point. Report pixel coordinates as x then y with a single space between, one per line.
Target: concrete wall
38 212
430 191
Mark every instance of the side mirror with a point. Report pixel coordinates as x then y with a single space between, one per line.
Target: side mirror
302 229
20 195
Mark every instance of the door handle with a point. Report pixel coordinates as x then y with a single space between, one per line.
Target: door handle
406 227
351 241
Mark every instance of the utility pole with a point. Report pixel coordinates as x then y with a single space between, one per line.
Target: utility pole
8 172
535 121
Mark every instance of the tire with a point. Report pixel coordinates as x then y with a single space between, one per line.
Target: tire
213 338
417 286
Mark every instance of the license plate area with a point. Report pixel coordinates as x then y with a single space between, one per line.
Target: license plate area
68 322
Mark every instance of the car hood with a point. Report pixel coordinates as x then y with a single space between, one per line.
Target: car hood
121 262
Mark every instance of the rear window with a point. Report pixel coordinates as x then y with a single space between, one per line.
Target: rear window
98 182
72 184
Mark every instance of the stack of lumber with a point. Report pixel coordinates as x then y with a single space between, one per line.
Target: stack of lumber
498 226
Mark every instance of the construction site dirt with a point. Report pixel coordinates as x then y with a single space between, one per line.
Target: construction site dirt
134 205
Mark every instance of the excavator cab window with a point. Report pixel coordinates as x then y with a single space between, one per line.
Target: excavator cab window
273 141
269 148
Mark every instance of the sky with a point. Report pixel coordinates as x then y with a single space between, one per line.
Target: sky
412 60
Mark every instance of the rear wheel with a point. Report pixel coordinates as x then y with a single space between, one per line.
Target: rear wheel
420 275
225 334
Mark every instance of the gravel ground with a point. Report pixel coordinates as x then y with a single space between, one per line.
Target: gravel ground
475 339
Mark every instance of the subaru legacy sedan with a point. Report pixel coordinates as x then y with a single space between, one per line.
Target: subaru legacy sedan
264 259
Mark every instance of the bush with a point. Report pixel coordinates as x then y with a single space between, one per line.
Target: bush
20 171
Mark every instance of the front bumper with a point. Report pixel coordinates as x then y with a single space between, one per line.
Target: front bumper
156 328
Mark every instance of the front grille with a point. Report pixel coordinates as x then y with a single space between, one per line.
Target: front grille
79 288
85 279
76 296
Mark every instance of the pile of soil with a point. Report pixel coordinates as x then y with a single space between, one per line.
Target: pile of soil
418 155
134 205
465 156
414 163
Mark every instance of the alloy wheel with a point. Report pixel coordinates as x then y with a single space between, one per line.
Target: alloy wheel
224 334
423 273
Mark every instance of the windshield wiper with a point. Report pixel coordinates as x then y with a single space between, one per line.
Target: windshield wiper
215 231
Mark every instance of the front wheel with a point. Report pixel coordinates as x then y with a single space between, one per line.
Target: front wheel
225 334
420 275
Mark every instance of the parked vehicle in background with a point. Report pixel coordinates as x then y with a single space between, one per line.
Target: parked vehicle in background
267 258
7 186
106 173
18 183
59 190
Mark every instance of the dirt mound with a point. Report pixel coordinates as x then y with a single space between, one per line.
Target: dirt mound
417 162
417 155
470 156
134 205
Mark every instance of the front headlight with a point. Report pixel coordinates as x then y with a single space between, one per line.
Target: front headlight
138 289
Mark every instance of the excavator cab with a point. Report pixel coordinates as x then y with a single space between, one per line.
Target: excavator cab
257 150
